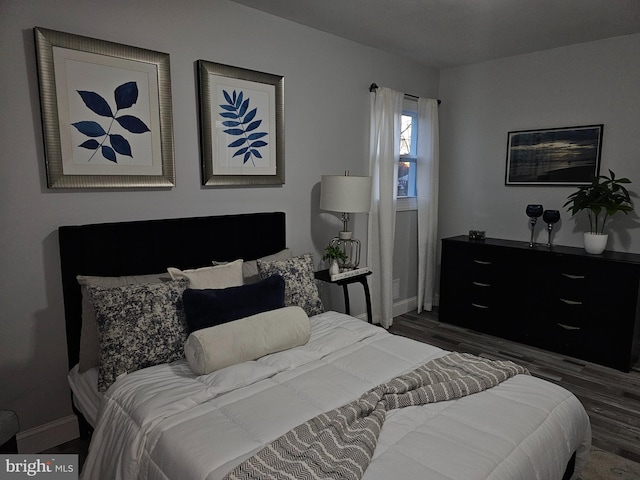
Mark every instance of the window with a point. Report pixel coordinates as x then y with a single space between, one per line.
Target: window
407 164
408 156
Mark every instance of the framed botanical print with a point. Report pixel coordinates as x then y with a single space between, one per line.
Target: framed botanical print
106 113
241 125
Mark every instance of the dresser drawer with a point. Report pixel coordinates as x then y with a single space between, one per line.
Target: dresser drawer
484 270
567 338
588 341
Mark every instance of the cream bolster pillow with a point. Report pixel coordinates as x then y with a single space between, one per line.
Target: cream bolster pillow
248 338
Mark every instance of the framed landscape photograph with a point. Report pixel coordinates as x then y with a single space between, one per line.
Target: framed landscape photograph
556 156
106 113
241 125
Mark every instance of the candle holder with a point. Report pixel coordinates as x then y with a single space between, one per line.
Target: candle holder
550 217
533 211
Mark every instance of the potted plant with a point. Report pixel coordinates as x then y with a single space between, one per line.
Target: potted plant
605 197
335 255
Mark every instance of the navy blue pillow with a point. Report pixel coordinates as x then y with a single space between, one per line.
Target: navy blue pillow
209 307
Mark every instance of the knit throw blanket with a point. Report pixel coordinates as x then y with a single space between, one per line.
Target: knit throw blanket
339 444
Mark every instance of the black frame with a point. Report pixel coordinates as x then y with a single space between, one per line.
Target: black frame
554 156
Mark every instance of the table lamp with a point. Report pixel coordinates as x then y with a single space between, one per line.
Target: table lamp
346 194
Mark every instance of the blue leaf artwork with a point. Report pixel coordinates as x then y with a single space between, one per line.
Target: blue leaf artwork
111 144
240 122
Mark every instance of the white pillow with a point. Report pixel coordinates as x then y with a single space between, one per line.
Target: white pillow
249 338
218 276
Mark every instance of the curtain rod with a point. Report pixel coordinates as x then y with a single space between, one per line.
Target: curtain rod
373 87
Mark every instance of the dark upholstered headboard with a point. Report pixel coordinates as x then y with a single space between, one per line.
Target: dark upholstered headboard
150 246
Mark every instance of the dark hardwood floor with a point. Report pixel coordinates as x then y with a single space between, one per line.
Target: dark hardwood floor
610 397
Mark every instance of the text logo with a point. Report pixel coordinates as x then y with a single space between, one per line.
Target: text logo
50 467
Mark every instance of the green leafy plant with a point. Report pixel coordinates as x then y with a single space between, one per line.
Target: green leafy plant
333 252
605 196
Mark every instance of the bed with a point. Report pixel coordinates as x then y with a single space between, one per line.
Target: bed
167 421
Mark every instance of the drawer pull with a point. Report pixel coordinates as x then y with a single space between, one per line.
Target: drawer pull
570 302
567 327
477 305
482 262
574 277
478 284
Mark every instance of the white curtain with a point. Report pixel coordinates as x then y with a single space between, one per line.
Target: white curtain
386 114
427 186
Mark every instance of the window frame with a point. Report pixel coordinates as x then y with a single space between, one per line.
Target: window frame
410 108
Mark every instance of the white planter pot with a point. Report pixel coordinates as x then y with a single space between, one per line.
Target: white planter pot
334 269
595 243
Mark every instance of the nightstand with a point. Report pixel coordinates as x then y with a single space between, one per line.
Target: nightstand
324 276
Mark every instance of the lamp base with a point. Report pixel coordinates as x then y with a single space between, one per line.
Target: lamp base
351 248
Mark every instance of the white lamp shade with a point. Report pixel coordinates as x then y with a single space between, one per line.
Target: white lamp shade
345 193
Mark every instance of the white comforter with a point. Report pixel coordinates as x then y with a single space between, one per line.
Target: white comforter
165 422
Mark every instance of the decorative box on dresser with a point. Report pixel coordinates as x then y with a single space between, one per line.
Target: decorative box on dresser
560 299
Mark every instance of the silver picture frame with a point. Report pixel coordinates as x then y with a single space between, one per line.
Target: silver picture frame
87 145
241 126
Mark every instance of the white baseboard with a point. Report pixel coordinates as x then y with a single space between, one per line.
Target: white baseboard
405 306
399 308
44 437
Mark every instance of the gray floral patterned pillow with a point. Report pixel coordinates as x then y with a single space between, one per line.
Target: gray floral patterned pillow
300 286
138 326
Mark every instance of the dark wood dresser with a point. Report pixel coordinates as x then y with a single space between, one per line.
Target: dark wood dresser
560 299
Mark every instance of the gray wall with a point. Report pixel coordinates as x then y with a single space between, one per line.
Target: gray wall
326 116
584 84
